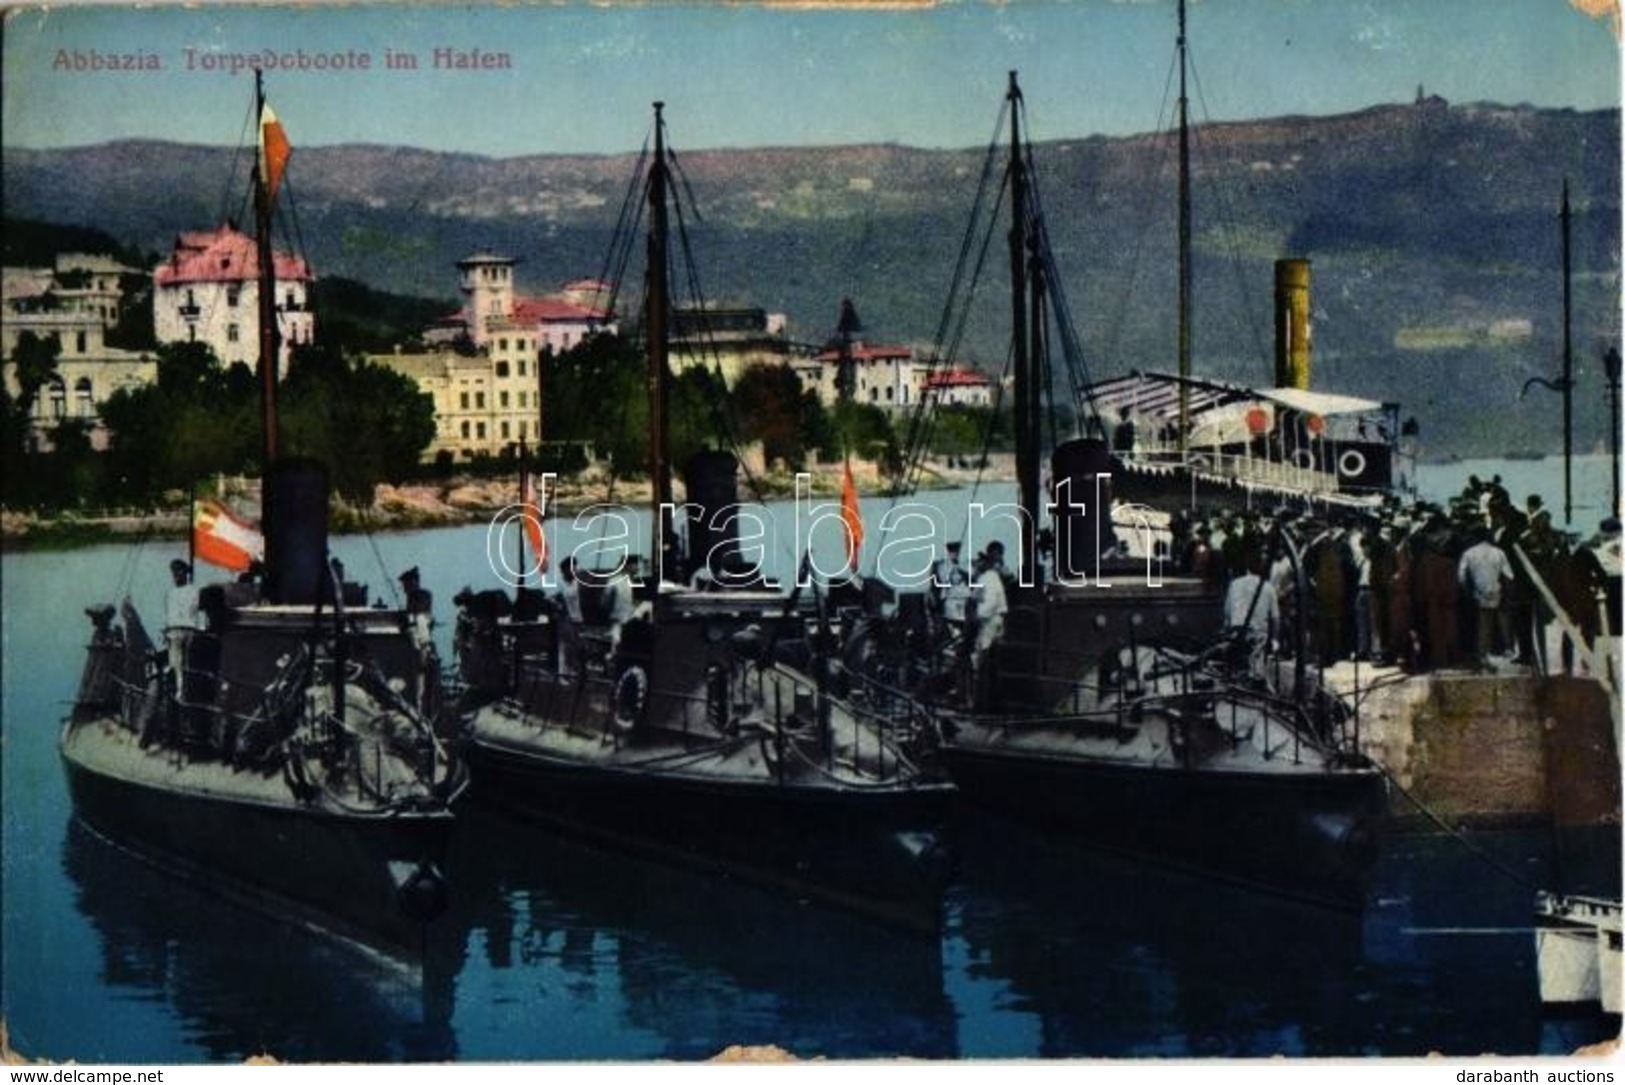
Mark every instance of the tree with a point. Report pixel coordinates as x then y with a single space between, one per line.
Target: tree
862 430
597 392
196 420
369 424
965 431
772 408
35 360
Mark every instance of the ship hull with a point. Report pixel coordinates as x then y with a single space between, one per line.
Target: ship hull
1309 836
349 875
881 850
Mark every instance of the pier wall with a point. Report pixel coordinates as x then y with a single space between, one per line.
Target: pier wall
1489 749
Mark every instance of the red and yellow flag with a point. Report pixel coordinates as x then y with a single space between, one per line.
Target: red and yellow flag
274 151
220 538
851 517
531 517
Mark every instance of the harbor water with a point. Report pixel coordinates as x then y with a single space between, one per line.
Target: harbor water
557 950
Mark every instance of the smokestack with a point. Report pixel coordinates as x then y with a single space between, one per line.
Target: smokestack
1293 338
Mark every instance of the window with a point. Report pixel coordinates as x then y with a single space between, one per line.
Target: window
59 399
504 431
231 333
502 369
84 402
479 431
888 393
522 398
479 404
502 345
523 426
462 401
465 431
502 401
79 342
231 295
522 367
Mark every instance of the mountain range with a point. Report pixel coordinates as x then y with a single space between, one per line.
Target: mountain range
1432 228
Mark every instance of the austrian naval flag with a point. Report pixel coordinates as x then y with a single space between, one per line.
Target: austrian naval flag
531 517
274 151
851 517
220 538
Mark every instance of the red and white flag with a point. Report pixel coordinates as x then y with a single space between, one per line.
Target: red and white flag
851 517
531 517
274 151
221 538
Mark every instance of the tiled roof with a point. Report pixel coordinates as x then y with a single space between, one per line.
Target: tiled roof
223 256
553 311
957 378
863 352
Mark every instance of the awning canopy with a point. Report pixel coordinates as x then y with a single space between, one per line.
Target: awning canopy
1322 403
1156 395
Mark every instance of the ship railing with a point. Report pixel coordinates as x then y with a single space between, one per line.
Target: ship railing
883 720
1185 684
797 712
1241 467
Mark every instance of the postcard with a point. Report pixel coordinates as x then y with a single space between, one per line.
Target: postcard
575 533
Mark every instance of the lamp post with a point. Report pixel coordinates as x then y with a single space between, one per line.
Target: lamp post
1610 374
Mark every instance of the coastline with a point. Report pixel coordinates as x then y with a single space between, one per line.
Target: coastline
453 502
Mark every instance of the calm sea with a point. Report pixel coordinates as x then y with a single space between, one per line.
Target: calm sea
557 951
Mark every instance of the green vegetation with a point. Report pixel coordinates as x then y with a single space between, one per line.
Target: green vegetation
200 419
359 319
33 243
597 396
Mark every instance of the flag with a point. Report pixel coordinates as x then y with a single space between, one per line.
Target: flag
220 538
531 517
851 517
274 151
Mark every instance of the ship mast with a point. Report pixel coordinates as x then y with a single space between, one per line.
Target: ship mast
267 329
663 542
1026 384
1184 243
1568 373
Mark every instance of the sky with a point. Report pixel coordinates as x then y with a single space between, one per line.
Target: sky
581 76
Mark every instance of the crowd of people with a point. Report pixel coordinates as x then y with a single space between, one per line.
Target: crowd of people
1479 582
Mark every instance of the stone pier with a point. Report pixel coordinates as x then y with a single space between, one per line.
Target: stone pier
1487 749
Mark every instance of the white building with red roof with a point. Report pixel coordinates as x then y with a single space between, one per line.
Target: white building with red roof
484 370
884 376
208 291
958 388
75 304
494 310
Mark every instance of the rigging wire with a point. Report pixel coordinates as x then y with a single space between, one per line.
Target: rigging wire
229 184
922 417
1230 220
927 410
1149 200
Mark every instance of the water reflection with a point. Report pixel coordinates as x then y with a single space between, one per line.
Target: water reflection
1118 959
556 950
688 961
243 983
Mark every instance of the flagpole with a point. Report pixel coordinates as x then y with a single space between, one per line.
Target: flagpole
191 530
524 505
268 346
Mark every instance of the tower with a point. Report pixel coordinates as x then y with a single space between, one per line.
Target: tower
487 284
